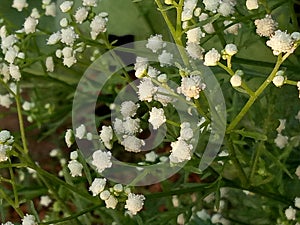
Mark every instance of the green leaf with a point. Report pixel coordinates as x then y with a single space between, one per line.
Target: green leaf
252 134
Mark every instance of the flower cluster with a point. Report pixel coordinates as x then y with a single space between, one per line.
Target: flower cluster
6 141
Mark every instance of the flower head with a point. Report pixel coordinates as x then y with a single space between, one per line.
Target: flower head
68 36
97 186
212 57
75 168
81 14
19 4
132 143
106 135
266 26
129 108
101 160
29 220
251 4
191 87
30 25
135 203
157 117
181 151
98 25
155 43
280 42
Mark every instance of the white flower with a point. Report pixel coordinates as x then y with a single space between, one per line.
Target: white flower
14 72
68 36
251 4
233 28
73 155
236 80
118 187
8 223
155 43
29 220
89 3
188 9
131 126
208 28
49 64
295 36
290 213
281 141
63 22
75 168
181 151
118 126
186 132
157 117
98 25
212 57
191 87
135 203
132 143
19 4
203 215
27 106
11 54
266 26
152 72
69 61
54 38
30 25
106 135
50 10
129 108
104 195
194 50
180 219
80 131
35 13
81 14
230 49
280 42
97 186
3 32
226 8
5 137
151 156
297 202
146 90
278 81
101 160
211 5
7 42
111 202
140 66
165 58
66 6
69 137
162 78
194 35
45 200
5 100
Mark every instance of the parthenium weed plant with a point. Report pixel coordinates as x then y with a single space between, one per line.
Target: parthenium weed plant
194 121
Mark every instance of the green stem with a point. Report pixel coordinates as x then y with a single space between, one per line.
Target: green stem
3 195
13 184
231 73
73 216
255 161
176 33
236 162
257 93
21 122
